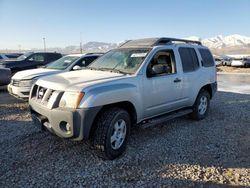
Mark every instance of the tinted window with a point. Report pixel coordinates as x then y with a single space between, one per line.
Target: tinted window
207 58
53 56
1 57
37 58
189 59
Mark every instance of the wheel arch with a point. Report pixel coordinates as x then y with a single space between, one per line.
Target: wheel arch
126 105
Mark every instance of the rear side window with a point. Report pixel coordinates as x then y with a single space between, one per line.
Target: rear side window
207 58
52 57
189 59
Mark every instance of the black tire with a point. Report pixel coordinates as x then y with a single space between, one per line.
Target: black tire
198 114
105 128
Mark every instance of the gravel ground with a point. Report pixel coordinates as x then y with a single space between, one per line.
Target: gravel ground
233 69
183 153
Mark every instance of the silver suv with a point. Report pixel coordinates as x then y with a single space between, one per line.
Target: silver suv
143 82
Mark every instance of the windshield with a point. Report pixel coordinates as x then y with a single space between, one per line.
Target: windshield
62 63
24 56
121 60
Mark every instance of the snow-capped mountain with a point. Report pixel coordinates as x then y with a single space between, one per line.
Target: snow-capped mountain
219 44
220 41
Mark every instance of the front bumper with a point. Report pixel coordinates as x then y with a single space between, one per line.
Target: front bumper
19 92
79 121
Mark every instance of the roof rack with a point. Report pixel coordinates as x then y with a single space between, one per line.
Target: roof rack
150 42
171 40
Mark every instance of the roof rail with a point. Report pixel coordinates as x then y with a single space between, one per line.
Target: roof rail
171 40
150 42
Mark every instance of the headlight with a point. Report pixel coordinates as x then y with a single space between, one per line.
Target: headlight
71 99
25 83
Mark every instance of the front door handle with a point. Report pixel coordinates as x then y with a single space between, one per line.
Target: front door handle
177 80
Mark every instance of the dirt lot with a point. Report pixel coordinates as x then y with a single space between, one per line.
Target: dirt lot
183 153
233 69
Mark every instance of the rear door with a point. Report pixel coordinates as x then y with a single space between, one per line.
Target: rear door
162 92
50 57
192 76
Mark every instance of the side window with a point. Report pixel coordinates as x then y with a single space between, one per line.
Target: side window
37 58
86 61
189 59
163 63
207 58
1 57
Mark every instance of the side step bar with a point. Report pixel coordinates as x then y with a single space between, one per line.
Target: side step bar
164 118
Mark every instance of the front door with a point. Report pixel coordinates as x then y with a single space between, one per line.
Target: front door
162 90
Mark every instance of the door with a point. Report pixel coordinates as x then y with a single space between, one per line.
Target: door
162 85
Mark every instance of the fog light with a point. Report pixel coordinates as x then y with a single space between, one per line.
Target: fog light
68 127
65 126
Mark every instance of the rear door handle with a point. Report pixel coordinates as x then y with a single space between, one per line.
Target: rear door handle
177 80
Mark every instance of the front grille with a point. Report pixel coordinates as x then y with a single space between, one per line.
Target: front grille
44 96
15 82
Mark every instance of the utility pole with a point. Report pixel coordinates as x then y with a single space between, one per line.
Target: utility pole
19 48
44 44
81 42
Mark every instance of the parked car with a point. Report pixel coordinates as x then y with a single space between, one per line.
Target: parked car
247 62
226 61
5 76
3 57
144 82
241 62
218 61
21 82
30 60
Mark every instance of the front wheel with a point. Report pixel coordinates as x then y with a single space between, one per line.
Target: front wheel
201 105
112 132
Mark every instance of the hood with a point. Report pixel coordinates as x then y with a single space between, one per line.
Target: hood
33 73
77 80
9 63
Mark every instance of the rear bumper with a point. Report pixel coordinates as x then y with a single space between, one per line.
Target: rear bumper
79 121
19 92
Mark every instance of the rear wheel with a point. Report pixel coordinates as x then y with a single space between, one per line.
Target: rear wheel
201 105
112 132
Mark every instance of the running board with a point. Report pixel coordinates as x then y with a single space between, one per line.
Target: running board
164 118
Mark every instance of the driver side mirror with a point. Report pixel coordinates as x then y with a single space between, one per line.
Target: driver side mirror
77 67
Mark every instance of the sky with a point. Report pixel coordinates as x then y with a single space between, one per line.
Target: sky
24 23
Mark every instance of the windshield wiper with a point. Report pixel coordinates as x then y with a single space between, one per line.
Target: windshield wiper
118 71
113 70
108 69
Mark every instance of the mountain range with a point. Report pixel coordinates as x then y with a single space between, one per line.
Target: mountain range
231 44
